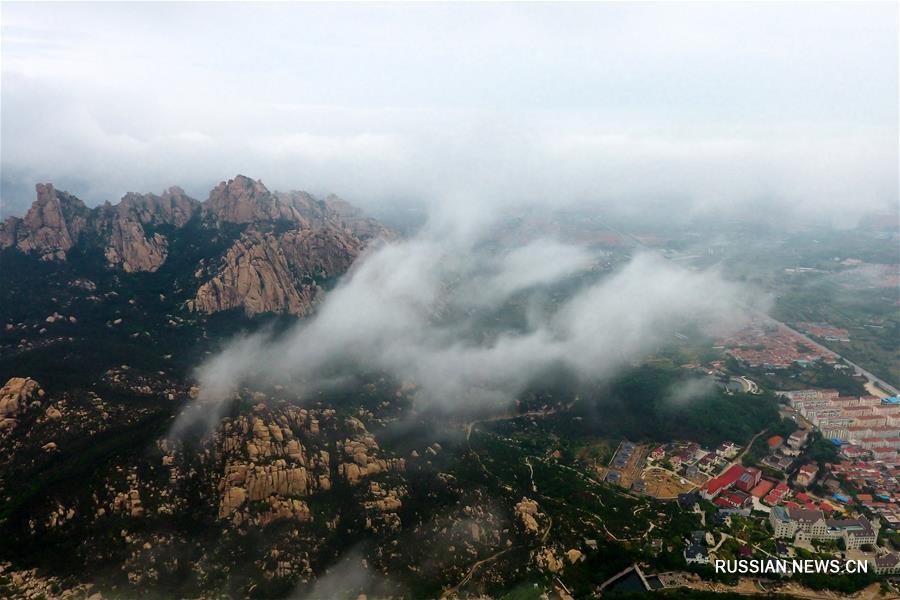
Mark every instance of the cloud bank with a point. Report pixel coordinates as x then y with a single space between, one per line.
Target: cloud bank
786 111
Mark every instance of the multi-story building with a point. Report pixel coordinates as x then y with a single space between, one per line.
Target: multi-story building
887 564
798 439
847 418
804 524
806 474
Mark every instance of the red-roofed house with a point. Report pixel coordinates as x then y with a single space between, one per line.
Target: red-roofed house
735 498
762 488
775 442
715 485
748 479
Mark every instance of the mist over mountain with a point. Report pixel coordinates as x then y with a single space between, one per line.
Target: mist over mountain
421 309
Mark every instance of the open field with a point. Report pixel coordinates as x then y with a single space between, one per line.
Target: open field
665 485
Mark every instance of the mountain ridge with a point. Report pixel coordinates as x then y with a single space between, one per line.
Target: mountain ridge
278 244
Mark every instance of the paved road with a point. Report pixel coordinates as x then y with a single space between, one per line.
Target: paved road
867 374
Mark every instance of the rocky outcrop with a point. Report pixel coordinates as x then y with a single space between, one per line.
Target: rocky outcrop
232 499
268 461
527 512
355 220
50 228
363 463
32 583
58 221
129 503
284 509
132 250
266 272
15 397
546 558
275 458
255 276
261 481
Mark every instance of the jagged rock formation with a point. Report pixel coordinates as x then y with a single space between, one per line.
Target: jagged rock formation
336 213
52 226
243 200
276 457
271 250
124 227
268 458
265 272
15 397
528 512
361 463
547 558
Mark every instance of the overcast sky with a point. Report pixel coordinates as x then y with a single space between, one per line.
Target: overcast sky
792 107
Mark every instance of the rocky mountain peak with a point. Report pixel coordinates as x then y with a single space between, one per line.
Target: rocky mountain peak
50 228
288 244
244 200
176 196
337 213
174 207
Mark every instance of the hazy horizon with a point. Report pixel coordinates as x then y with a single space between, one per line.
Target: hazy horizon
787 110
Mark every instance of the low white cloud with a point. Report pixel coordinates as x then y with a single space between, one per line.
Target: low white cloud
687 391
350 577
426 311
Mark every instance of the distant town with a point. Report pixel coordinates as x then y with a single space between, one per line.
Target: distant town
828 486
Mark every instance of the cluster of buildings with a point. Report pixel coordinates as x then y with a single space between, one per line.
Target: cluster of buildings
623 455
825 331
691 459
868 425
723 489
619 462
736 488
800 524
865 429
740 489
771 346
784 452
876 486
